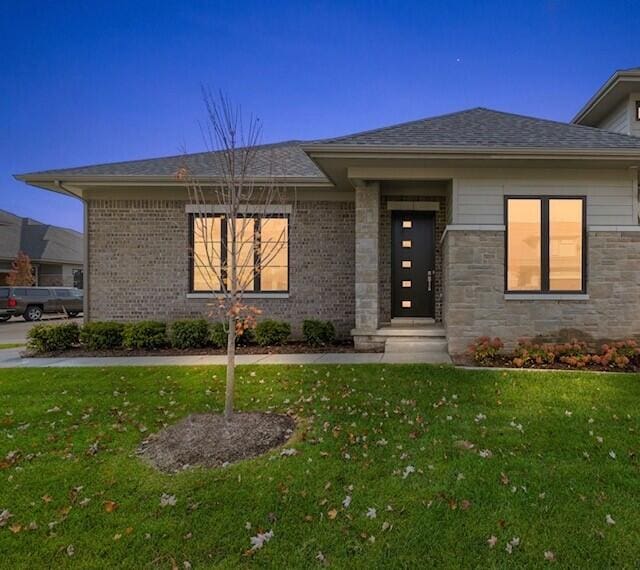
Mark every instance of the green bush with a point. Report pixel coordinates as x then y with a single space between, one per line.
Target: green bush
318 333
189 333
272 333
145 334
102 335
218 336
53 338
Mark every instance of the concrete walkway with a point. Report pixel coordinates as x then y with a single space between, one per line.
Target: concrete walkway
10 358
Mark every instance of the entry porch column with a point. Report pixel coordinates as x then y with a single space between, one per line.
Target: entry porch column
367 257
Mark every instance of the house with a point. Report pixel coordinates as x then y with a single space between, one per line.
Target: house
439 230
56 253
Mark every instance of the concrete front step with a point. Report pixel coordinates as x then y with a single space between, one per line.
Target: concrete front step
417 332
415 344
412 321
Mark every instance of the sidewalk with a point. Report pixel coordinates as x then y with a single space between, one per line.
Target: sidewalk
10 358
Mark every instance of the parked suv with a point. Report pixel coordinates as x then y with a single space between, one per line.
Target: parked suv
33 302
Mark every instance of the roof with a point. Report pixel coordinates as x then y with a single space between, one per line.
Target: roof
41 242
465 131
284 159
619 86
481 128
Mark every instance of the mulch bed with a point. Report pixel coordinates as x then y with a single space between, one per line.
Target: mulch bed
207 440
504 362
289 348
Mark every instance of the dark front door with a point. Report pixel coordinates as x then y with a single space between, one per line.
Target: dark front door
413 264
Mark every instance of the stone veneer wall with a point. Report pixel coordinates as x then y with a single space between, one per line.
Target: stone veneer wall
385 251
138 264
474 293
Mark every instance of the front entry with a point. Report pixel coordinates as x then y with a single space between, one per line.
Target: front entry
413 262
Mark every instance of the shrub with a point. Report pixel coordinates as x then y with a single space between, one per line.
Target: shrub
272 333
145 334
620 354
486 350
190 333
52 338
102 335
528 353
318 333
218 336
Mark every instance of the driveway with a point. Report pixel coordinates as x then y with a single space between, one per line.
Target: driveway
15 330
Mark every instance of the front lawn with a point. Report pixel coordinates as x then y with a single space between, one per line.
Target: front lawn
396 466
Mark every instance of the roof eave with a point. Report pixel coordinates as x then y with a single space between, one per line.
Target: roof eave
38 179
603 92
374 151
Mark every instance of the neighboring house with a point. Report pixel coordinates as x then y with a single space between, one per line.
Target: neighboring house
56 253
484 222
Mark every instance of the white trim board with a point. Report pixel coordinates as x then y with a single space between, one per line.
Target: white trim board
244 296
613 228
409 206
250 208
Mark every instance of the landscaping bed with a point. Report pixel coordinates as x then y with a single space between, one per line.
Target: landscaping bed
614 356
291 347
184 337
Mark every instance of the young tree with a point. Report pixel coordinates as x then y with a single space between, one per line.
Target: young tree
21 272
233 207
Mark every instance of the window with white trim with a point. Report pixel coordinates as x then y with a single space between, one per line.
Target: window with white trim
262 252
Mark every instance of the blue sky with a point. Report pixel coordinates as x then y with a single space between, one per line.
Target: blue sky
86 82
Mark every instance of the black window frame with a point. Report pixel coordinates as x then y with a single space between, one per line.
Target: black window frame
544 246
257 289
638 110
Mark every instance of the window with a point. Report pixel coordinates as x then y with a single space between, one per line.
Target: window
262 252
63 293
37 292
545 245
637 110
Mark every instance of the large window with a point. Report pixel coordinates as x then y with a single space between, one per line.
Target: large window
261 258
545 245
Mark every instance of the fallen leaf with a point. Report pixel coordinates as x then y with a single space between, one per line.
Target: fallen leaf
332 514
110 506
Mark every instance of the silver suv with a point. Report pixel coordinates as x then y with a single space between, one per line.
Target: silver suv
33 302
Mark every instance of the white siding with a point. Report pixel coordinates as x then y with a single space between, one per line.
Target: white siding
635 124
611 199
618 120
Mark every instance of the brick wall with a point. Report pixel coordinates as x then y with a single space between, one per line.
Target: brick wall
138 264
385 252
474 303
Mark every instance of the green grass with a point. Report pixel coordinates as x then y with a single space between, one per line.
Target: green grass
562 482
11 345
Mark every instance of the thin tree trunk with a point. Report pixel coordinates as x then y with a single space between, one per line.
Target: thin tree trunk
231 368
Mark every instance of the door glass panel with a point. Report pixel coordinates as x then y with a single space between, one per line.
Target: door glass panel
406 304
406 243
524 243
406 283
565 245
407 224
406 264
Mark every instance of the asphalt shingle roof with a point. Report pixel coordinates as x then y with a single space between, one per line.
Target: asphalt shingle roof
41 242
485 128
279 159
474 129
